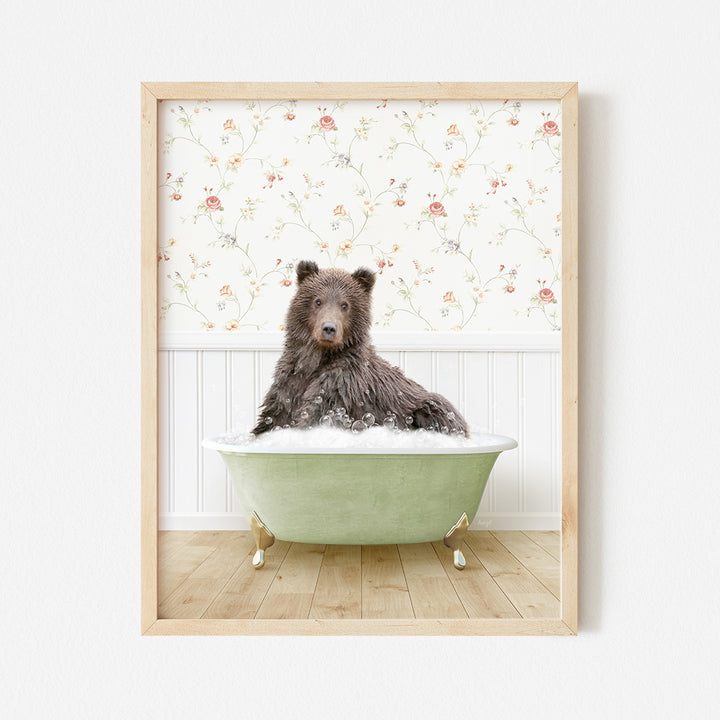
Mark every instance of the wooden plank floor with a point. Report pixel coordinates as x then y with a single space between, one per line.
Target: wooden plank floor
210 575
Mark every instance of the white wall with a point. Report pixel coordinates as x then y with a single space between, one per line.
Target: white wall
650 412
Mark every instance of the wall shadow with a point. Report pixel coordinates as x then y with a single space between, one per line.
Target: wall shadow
595 162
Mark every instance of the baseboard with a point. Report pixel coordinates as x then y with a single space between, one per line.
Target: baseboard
482 521
516 521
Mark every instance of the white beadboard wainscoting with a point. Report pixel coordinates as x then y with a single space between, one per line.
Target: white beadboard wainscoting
503 383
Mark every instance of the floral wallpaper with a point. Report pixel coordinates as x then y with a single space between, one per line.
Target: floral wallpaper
456 206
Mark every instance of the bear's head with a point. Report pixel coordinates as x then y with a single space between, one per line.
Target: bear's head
331 308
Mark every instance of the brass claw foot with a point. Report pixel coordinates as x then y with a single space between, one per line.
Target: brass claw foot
454 539
263 540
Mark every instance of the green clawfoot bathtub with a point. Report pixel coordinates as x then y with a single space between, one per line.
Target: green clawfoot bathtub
360 496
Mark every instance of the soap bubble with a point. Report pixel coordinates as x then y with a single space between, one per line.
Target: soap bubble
451 416
268 421
358 426
329 437
347 421
326 421
408 420
318 400
444 430
340 411
389 423
368 419
304 414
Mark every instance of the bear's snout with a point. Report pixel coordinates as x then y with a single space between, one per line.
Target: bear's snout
329 330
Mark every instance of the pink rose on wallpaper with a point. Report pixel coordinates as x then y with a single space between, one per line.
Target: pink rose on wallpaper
514 121
287 282
551 128
449 296
399 202
176 196
326 123
453 130
213 203
229 124
437 209
546 295
339 210
232 325
225 290
290 116
509 289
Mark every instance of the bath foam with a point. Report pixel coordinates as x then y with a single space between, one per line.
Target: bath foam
374 437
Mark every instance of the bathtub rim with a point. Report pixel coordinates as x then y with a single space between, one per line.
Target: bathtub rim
491 443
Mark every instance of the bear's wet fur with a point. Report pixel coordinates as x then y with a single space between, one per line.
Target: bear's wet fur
328 362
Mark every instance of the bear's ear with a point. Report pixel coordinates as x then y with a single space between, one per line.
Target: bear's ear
365 277
305 268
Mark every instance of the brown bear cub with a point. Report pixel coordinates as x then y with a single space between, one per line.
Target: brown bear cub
329 373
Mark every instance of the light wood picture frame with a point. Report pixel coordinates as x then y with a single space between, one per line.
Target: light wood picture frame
152 94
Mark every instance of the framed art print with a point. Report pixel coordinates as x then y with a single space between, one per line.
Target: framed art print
451 208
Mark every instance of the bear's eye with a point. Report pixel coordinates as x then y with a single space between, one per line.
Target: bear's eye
344 306
318 303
